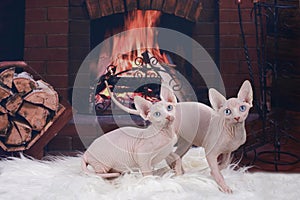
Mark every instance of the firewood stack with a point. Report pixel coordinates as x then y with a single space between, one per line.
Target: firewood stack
27 108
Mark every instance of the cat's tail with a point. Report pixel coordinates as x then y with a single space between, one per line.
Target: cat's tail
84 164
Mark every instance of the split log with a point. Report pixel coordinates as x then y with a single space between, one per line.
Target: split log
13 103
35 115
4 125
6 77
4 93
24 83
29 110
44 95
20 134
2 110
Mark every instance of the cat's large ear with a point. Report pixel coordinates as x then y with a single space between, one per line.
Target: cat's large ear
143 106
246 94
216 99
166 94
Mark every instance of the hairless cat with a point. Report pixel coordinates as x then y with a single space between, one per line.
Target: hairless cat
220 129
129 148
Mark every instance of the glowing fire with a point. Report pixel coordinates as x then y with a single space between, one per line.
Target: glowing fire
137 19
132 43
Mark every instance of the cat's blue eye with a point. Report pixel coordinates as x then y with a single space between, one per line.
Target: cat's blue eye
169 107
227 111
242 108
156 114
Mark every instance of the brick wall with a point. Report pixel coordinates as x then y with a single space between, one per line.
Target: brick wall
57 40
46 40
233 64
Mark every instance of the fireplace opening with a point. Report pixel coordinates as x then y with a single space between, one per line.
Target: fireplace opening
140 64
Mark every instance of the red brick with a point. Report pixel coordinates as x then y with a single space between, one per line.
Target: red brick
207 41
46 3
39 54
35 14
229 67
37 66
232 28
76 2
231 54
78 53
231 15
243 65
56 13
34 41
82 40
78 144
207 15
78 13
204 29
63 93
57 67
79 26
46 27
69 130
60 143
57 40
231 4
57 81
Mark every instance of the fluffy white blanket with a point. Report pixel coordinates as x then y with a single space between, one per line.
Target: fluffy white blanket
61 178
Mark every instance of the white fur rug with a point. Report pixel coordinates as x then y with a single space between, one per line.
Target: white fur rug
61 178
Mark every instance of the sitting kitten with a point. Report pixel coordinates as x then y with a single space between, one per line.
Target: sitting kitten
129 148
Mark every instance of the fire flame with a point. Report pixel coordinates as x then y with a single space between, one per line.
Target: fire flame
136 43
133 42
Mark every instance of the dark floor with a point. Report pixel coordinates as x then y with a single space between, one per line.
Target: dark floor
263 158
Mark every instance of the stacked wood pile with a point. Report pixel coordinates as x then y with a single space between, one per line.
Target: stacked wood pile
28 107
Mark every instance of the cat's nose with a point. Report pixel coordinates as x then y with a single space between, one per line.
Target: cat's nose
170 118
237 118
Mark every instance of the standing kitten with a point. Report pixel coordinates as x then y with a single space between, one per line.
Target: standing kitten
129 148
220 129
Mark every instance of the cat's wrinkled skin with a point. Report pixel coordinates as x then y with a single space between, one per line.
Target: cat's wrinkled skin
129 148
220 129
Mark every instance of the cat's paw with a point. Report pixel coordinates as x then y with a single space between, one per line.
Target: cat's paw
226 189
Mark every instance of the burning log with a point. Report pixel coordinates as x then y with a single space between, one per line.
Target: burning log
27 108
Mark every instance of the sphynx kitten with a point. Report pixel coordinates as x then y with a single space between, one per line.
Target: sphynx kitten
128 148
220 129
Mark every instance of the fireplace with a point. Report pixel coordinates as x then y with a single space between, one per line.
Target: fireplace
59 36
186 19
